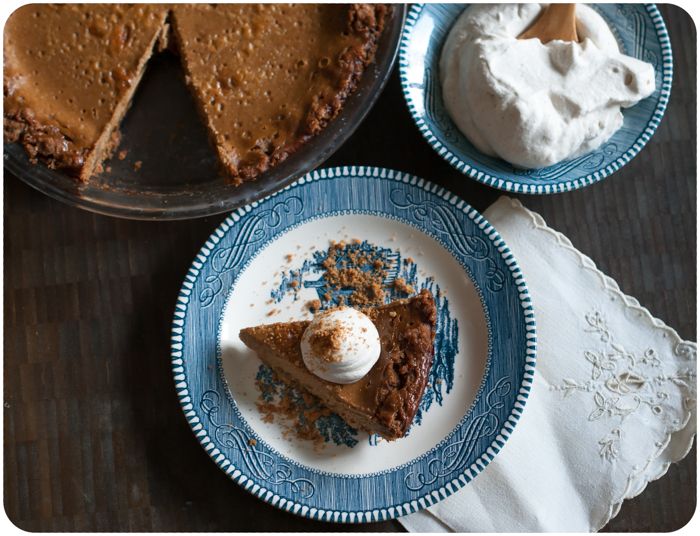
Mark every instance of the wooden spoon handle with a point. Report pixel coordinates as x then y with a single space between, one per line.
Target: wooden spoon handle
557 22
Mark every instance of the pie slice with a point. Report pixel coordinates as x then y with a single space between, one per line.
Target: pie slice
70 73
267 77
385 401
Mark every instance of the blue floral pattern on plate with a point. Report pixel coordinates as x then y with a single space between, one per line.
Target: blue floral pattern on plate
640 31
433 474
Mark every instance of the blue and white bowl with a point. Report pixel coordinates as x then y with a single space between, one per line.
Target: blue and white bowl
641 33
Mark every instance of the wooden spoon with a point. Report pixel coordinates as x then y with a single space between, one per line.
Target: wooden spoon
556 22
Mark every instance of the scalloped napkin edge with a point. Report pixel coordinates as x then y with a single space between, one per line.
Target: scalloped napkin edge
613 403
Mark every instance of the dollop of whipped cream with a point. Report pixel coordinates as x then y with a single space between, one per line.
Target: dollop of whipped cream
340 345
535 104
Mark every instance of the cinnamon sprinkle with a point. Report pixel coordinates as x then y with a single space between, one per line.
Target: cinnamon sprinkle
326 340
294 409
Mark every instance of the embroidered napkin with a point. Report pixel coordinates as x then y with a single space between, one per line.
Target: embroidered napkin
612 404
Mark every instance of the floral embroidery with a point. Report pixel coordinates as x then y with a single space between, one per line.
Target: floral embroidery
610 445
623 382
595 320
571 386
649 358
609 407
600 363
683 349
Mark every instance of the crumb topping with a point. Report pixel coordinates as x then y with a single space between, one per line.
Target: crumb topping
313 305
360 273
401 285
296 410
326 341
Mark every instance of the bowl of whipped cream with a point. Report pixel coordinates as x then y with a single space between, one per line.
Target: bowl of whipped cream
531 117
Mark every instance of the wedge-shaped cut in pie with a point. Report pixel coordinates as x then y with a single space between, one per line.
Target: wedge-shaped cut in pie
385 401
70 73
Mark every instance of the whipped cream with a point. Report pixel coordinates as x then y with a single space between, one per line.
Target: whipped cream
340 345
535 104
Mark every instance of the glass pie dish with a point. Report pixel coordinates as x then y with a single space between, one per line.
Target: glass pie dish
165 167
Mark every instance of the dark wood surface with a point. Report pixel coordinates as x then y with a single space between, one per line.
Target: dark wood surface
94 438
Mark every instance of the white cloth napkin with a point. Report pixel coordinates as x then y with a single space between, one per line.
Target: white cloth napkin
612 404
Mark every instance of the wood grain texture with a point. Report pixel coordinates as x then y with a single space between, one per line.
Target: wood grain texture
94 438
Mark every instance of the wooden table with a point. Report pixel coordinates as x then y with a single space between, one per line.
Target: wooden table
94 438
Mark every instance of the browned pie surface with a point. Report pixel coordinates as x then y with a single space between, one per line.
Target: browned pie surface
69 71
389 395
268 76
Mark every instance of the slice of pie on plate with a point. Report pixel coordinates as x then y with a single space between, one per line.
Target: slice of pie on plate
386 399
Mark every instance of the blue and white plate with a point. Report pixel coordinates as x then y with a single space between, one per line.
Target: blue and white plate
484 347
640 32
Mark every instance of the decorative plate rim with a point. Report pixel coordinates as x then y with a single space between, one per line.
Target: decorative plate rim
509 185
387 512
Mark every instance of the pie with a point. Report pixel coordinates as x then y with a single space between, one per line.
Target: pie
386 400
265 77
70 74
